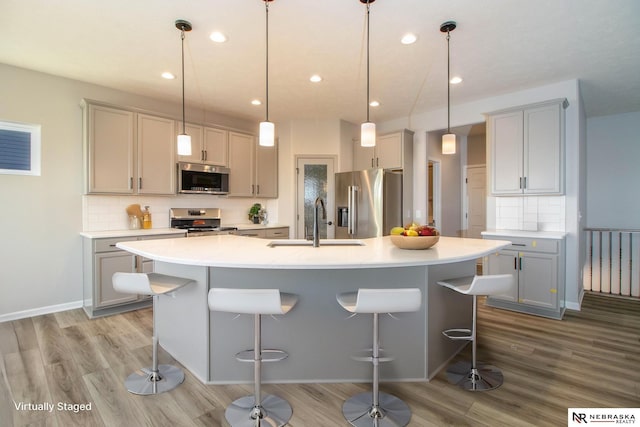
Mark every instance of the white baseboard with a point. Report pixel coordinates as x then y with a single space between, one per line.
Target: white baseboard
40 311
576 305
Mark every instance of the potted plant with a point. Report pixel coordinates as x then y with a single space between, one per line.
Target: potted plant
254 213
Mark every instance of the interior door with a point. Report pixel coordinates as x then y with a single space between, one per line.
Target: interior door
315 178
476 215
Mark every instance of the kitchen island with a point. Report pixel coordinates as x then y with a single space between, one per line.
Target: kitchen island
318 334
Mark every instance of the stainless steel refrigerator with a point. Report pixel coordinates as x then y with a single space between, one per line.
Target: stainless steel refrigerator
368 203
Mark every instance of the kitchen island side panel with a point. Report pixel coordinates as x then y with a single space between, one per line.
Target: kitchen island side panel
321 337
447 309
318 334
182 319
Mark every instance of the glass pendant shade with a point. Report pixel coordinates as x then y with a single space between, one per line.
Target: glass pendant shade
184 145
267 134
449 143
368 134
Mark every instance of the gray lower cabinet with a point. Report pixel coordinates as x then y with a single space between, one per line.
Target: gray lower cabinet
101 258
537 266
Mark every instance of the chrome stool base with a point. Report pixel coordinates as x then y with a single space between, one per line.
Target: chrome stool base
144 382
276 412
358 410
484 377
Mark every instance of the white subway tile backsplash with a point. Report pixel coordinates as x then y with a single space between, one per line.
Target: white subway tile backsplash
104 213
531 213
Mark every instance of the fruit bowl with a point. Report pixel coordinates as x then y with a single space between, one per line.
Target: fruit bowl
414 242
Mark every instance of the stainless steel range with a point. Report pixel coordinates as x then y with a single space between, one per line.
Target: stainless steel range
198 221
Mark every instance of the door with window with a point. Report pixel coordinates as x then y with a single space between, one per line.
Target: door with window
315 178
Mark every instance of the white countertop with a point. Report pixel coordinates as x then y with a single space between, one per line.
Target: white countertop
559 235
242 252
127 233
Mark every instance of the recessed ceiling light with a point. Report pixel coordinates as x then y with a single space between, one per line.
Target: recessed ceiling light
374 104
315 78
167 75
218 37
455 80
409 38
256 102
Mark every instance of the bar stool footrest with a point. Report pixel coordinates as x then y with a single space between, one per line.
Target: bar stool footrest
367 356
268 355
458 334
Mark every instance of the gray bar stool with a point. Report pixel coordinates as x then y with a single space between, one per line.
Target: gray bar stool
473 376
375 408
256 410
158 378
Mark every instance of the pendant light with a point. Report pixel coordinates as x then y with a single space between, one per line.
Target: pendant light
184 140
368 128
267 128
448 139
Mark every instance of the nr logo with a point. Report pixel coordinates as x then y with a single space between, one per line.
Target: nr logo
579 418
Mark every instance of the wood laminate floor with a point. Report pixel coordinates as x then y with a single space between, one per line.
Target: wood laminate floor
589 359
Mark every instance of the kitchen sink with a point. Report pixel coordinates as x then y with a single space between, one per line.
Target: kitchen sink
323 242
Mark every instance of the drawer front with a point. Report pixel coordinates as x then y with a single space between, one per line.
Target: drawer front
277 233
250 233
109 245
528 244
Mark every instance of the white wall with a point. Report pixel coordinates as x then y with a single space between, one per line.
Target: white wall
41 216
613 179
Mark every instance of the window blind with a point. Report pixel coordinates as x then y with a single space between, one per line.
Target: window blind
15 150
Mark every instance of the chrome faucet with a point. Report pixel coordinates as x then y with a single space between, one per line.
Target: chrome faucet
316 233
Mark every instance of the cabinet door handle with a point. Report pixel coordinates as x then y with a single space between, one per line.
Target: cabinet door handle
520 183
520 264
377 162
518 244
372 162
139 183
258 189
253 189
515 262
525 182
131 183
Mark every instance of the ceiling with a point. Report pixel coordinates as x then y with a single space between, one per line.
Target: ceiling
499 46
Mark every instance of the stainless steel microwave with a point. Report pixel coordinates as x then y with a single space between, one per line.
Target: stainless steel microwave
196 178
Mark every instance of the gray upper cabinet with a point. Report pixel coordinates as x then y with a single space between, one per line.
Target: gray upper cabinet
156 159
526 149
253 169
128 152
208 145
392 151
109 149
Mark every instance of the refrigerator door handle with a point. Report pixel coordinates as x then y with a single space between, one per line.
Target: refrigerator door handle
349 208
353 210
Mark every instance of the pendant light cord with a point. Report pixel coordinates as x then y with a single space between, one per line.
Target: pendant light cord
184 132
367 60
448 85
266 4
